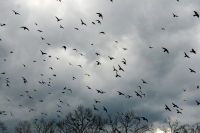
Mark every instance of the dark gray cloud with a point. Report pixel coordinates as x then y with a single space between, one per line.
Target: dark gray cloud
135 25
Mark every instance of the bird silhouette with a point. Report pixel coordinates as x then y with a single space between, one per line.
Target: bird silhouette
98 63
174 105
137 94
102 32
100 15
167 108
144 81
196 14
120 93
83 22
97 101
198 103
25 28
76 28
58 19
145 119
165 50
174 15
95 108
193 51
64 47
192 70
2 24
178 112
111 58
104 108
89 88
16 13
117 75
186 55
99 21
61 27
43 52
120 68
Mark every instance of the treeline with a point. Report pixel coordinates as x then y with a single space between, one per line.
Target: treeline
83 120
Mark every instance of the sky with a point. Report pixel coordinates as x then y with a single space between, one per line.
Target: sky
135 25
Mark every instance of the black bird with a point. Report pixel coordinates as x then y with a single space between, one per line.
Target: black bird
139 87
104 108
49 44
167 108
125 48
175 15
184 90
58 19
137 94
95 108
3 24
36 24
89 88
145 119
117 75
42 38
102 32
41 101
165 50
198 103
98 63
111 58
192 70
197 87
74 49
100 15
76 28
99 21
87 74
163 28
61 27
39 30
93 22
193 51
97 54
25 28
178 111
174 105
16 13
43 52
80 66
64 47
144 81
186 55
83 22
97 101
120 93
114 69
196 14
120 68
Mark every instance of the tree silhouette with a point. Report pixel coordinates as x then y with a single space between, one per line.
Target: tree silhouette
23 127
3 127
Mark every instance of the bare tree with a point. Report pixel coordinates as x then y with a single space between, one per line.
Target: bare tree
174 126
79 121
43 126
3 127
23 127
195 128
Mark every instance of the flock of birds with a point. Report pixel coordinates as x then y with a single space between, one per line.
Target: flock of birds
116 69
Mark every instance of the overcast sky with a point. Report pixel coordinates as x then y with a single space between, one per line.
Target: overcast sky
135 25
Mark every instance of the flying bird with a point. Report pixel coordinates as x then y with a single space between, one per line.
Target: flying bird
102 32
192 70
196 14
83 22
198 103
16 13
167 108
144 81
193 51
175 15
98 21
100 15
165 50
186 55
58 19
25 28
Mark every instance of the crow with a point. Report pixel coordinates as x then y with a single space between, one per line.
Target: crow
83 22
196 14
167 108
192 70
100 15
58 19
165 50
25 28
186 55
